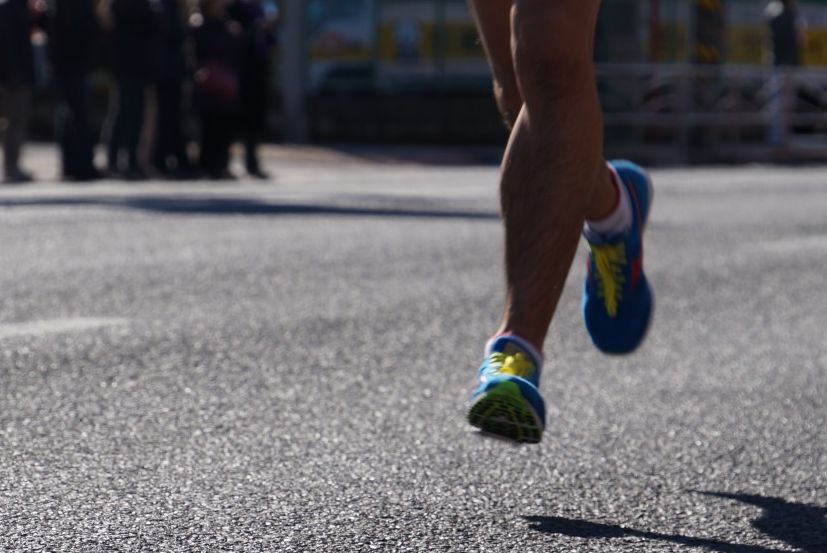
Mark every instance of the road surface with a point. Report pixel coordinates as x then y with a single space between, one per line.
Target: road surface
284 366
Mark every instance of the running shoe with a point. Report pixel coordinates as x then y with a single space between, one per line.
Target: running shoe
507 403
617 299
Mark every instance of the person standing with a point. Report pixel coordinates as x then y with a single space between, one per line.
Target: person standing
135 40
786 33
556 186
169 156
258 39
17 77
216 85
74 42
787 41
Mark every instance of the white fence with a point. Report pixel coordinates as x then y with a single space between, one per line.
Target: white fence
680 112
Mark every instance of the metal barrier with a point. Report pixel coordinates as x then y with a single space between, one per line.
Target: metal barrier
682 112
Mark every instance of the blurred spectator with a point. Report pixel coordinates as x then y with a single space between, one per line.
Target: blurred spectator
787 41
216 85
74 39
17 75
169 156
257 19
135 40
786 31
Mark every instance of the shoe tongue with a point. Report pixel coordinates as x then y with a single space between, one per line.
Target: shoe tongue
511 345
596 239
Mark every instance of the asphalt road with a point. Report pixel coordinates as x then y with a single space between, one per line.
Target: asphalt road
284 367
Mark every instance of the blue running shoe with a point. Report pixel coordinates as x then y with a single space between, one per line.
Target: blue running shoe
507 403
617 299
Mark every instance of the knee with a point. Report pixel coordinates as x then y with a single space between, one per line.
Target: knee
553 44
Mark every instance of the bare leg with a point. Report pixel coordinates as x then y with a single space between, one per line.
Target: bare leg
553 173
493 19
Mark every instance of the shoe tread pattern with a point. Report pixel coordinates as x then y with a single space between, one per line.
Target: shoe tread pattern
503 412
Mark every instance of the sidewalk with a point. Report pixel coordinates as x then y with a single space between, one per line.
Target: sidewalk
354 174
43 160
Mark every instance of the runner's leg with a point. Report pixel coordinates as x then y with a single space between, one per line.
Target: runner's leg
554 176
553 179
493 18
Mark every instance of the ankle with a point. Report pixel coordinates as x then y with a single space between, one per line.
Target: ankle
618 220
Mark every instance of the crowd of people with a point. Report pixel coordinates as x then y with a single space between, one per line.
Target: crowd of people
164 57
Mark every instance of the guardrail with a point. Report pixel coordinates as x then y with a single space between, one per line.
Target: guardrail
683 112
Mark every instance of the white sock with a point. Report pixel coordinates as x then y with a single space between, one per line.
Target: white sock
619 221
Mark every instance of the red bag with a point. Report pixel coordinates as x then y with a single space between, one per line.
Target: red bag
217 81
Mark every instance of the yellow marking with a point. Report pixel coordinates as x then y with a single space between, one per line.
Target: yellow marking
515 364
609 261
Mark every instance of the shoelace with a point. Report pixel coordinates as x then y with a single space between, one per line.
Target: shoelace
609 261
515 364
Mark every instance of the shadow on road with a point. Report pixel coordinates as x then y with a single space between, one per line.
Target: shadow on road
799 525
241 206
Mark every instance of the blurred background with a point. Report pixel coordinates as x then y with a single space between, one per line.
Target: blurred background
681 80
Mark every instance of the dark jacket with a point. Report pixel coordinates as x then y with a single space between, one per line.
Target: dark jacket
785 38
257 42
136 38
214 42
74 37
16 53
217 59
173 36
